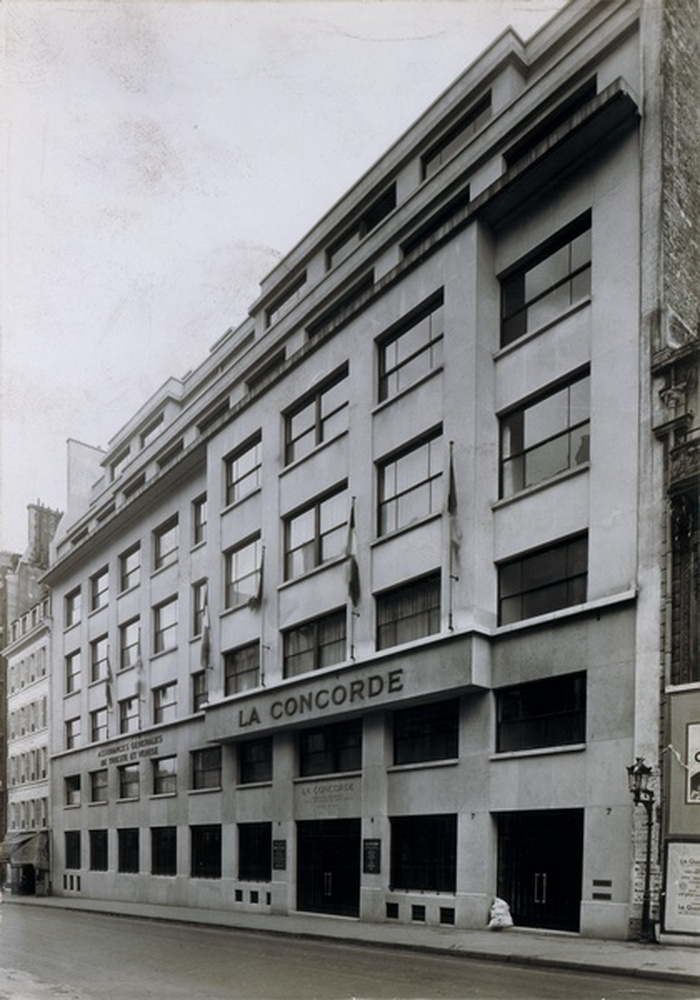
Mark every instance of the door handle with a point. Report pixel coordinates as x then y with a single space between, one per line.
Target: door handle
540 887
327 883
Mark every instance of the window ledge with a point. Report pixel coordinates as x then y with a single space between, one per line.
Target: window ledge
237 503
538 752
203 791
418 523
133 798
314 451
336 561
254 784
198 545
333 776
128 590
165 565
590 607
421 765
532 334
102 802
680 688
163 795
543 485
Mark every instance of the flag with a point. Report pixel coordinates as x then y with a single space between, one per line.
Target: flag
256 600
205 648
139 670
455 531
352 569
110 681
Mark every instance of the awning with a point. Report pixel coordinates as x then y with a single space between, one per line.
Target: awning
26 849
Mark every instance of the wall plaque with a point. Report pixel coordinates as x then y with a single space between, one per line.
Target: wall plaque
279 855
371 857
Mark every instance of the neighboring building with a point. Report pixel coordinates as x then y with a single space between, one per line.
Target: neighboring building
366 615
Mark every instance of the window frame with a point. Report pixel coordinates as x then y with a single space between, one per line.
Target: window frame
72 730
335 740
99 589
233 579
165 703
390 495
166 543
99 850
98 725
457 137
73 607
425 733
241 476
255 761
126 661
321 426
99 785
73 671
164 776
72 790
316 628
255 852
431 586
313 545
72 842
431 311
129 720
129 850
206 768
99 659
164 850
199 520
200 690
416 863
232 676
206 850
165 631
130 575
572 580
542 713
129 776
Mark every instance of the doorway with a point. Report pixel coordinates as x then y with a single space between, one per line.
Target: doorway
328 866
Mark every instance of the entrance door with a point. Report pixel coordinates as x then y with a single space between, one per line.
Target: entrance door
328 866
540 864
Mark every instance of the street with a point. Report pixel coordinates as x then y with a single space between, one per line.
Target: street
49 953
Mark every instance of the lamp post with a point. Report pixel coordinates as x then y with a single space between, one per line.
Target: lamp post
638 775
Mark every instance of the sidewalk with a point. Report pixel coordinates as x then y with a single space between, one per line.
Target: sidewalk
668 962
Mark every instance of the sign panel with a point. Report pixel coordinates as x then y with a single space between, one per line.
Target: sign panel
279 855
682 911
371 857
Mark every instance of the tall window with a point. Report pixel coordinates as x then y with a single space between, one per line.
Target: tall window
72 731
73 607
319 417
255 852
550 712
410 484
98 725
129 715
255 761
546 436
316 534
315 644
542 581
165 625
130 567
205 843
199 603
129 644
164 850
330 749
242 567
99 658
165 703
424 853
128 850
98 851
427 732
547 282
165 776
206 768
199 520
200 693
72 846
99 589
98 785
457 137
128 781
73 672
165 543
71 784
412 349
243 470
409 612
242 668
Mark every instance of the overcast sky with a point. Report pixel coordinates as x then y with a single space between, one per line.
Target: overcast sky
160 158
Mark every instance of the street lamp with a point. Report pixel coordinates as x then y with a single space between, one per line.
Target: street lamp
638 775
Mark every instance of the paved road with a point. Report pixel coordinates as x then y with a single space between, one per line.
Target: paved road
52 954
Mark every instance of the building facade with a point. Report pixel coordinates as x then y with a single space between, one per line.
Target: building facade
363 617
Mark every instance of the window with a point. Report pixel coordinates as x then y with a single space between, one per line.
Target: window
200 694
164 850
424 853
544 713
129 644
72 733
428 732
410 484
151 430
255 761
98 851
98 725
409 612
242 567
244 470
330 749
206 768
165 703
542 581
316 534
165 625
165 543
199 520
73 672
255 852
368 220
72 789
549 281
165 776
73 607
412 349
206 851
547 436
315 644
128 850
561 113
457 137
199 606
120 460
98 785
99 659
242 668
129 715
128 781
319 417
129 567
288 298
99 589
72 845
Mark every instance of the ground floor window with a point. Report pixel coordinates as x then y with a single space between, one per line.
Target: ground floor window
128 850
255 852
72 846
205 851
98 851
164 850
427 732
330 749
424 852
255 761
206 768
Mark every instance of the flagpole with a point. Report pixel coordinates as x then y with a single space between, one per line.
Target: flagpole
451 516
352 574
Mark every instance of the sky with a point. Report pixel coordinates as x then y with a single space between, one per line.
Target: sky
159 158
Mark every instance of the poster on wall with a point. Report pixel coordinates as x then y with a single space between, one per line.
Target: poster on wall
693 786
682 910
